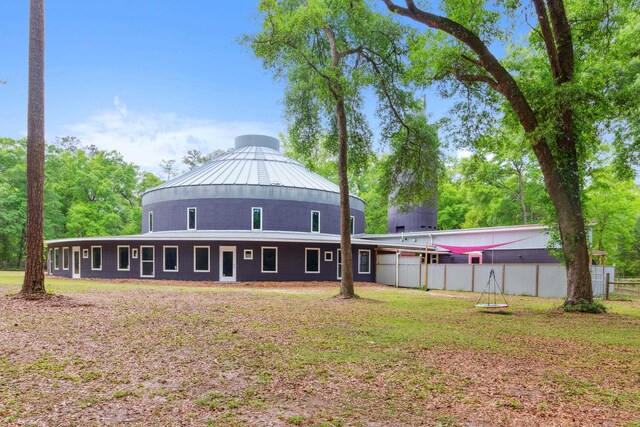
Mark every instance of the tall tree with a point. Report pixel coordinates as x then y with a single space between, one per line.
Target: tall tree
33 284
539 86
329 52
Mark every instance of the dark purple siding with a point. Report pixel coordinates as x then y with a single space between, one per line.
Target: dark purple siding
291 262
505 256
418 219
235 214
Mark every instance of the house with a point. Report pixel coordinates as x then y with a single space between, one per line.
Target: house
257 215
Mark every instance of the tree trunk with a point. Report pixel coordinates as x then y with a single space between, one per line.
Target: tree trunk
33 284
346 283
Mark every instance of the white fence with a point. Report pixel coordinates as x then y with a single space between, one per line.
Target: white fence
543 280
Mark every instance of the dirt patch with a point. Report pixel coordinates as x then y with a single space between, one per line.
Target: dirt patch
390 358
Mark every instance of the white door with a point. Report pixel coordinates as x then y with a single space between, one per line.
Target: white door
147 261
75 262
227 263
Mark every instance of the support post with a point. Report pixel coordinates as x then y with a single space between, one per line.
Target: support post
397 268
503 268
537 279
606 287
444 286
426 265
473 277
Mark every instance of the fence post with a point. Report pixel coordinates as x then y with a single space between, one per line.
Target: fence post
444 286
606 287
473 277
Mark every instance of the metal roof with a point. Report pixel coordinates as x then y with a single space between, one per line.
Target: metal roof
231 235
253 165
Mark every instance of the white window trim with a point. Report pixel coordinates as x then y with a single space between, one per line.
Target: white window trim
92 266
475 255
50 262
128 258
134 253
360 251
306 251
328 256
153 272
65 249
352 225
195 218
262 270
85 253
164 254
150 222
208 259
318 212
338 264
56 258
248 254
256 229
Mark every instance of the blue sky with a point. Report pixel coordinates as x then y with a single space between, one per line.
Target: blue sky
151 79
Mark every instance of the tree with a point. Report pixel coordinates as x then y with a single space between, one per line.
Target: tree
195 158
33 285
538 86
328 52
169 168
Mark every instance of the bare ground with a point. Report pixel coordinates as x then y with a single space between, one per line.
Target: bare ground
297 357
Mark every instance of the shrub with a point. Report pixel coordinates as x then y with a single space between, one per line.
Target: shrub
584 306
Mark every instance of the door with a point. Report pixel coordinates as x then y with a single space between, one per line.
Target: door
75 262
147 261
227 263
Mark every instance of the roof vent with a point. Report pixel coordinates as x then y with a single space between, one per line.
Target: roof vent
257 141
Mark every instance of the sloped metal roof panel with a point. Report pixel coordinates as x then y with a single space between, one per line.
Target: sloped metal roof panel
253 165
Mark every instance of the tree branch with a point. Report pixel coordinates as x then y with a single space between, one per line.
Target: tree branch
547 38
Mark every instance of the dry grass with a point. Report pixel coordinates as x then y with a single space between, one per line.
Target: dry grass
159 354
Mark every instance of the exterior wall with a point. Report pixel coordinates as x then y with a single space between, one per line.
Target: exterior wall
291 261
235 214
418 219
504 256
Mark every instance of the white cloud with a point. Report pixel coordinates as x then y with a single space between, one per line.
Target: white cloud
146 139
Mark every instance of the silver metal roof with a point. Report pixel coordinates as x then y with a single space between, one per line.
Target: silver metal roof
231 235
253 165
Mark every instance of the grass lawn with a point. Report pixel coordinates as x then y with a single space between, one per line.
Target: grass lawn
156 354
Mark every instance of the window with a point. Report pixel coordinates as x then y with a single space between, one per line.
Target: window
147 261
50 261
315 221
328 256
269 260
248 254
96 257
256 218
201 258
65 258
312 260
475 258
85 253
150 222
339 259
123 258
134 253
352 225
364 261
191 218
170 258
56 258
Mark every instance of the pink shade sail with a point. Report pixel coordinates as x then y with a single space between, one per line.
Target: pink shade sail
456 250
